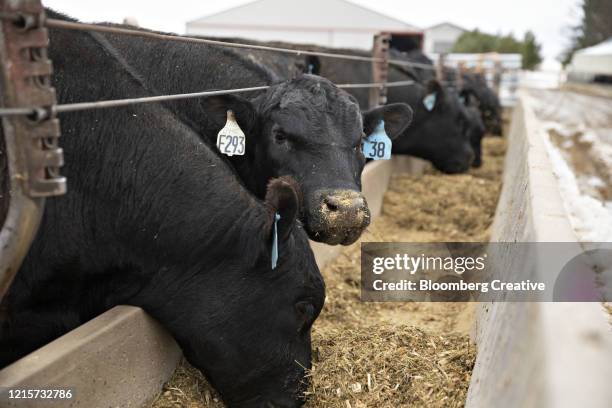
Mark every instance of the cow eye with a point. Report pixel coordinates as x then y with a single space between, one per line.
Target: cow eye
306 314
280 137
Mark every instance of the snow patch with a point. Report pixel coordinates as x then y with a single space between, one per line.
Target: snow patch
590 218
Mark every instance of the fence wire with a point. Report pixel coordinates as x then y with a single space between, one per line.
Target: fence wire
39 113
69 25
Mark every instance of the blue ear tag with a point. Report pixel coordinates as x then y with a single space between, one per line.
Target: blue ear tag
377 145
430 101
275 241
463 100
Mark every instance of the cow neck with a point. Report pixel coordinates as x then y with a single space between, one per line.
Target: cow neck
149 187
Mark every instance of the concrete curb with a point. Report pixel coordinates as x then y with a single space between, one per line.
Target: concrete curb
123 357
537 354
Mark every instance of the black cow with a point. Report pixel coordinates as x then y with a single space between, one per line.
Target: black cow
485 98
476 129
473 91
154 218
304 127
439 131
487 102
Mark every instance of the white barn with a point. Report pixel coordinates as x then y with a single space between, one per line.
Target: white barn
440 38
589 63
331 23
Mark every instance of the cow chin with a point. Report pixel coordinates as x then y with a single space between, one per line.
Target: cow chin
337 216
339 237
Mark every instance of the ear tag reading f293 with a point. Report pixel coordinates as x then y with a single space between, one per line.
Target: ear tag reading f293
231 140
377 145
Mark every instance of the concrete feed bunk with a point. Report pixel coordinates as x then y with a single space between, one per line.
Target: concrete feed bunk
538 354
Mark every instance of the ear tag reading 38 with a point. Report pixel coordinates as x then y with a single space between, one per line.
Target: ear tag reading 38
430 101
231 139
275 241
377 146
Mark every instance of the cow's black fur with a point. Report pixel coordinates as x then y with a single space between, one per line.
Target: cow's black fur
154 218
302 126
488 102
476 128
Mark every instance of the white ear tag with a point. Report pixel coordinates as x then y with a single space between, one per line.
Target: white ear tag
377 146
430 101
231 140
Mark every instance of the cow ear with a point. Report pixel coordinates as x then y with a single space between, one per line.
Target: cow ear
433 95
397 117
283 197
217 106
313 65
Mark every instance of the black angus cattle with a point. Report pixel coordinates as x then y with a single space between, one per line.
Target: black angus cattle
154 218
476 129
487 100
470 119
440 132
438 135
304 127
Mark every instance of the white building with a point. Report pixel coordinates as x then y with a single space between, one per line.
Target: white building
589 63
440 38
331 23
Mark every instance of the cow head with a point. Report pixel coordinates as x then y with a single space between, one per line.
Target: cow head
312 131
247 326
491 113
488 103
439 130
475 127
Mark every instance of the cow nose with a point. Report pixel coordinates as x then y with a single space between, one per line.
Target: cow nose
337 216
343 201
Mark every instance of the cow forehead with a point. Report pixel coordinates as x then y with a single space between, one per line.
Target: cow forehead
330 126
307 117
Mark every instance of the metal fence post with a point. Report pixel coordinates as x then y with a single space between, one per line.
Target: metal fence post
440 67
31 142
380 69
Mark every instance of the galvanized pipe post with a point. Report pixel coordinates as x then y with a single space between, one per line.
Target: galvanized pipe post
440 74
380 69
31 142
459 72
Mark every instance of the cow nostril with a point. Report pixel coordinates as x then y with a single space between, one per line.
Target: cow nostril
331 204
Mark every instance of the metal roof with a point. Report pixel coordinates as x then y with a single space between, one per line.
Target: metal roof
329 15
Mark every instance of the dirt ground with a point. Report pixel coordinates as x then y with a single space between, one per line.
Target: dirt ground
390 354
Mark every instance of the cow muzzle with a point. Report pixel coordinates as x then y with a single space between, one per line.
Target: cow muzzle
337 216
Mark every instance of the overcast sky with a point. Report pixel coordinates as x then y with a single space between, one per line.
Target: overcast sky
547 18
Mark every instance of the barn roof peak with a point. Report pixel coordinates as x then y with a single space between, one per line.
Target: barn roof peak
310 15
